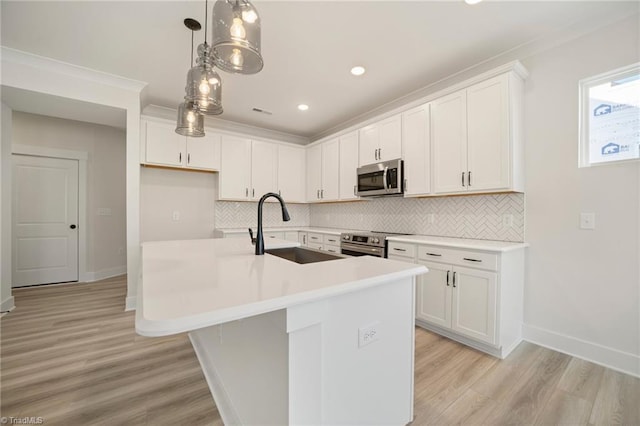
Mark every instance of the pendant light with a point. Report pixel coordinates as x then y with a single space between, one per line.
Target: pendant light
204 85
190 120
236 37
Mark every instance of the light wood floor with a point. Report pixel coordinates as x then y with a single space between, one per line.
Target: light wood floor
70 354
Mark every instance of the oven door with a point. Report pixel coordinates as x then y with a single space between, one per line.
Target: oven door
360 250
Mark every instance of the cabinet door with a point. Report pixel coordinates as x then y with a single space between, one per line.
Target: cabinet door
416 147
314 173
163 145
390 145
369 142
433 294
264 169
348 166
330 170
449 140
302 238
235 168
474 303
488 135
204 152
291 173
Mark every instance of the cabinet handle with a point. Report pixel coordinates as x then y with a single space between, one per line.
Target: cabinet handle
454 279
448 278
253 192
462 179
472 260
318 194
354 190
279 193
399 249
304 239
322 193
188 158
406 185
375 153
433 254
469 178
379 153
246 192
180 158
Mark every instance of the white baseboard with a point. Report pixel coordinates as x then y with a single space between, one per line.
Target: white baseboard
624 362
130 303
7 304
104 274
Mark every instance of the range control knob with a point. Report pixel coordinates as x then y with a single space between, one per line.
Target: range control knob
346 237
376 240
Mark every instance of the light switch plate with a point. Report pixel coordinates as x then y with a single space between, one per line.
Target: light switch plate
587 221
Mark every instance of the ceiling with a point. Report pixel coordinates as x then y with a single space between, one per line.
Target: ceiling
308 48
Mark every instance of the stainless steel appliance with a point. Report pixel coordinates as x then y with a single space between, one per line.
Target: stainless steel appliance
380 179
364 243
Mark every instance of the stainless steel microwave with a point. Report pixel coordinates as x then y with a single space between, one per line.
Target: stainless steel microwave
380 179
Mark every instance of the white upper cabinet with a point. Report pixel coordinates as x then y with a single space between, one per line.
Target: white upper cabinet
348 166
291 173
449 138
416 147
264 169
381 141
235 174
204 153
488 134
323 166
162 146
475 138
330 170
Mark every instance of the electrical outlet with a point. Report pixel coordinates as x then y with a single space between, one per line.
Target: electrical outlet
176 216
368 334
431 218
587 221
507 220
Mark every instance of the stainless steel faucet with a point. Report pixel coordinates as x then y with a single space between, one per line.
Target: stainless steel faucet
285 217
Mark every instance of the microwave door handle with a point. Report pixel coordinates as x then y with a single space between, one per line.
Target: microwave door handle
384 178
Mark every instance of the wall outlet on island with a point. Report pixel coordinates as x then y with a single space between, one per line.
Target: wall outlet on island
368 334
507 220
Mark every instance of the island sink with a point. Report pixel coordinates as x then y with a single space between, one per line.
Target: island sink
303 255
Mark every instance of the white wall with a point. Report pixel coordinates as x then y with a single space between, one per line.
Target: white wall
164 191
6 299
583 287
106 165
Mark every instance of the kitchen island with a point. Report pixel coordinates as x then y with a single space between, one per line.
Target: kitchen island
287 343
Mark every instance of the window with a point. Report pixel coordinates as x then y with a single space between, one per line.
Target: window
610 117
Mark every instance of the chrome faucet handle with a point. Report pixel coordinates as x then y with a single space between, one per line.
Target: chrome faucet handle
253 240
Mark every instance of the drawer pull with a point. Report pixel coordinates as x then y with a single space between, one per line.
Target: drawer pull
448 278
398 249
434 254
472 260
454 279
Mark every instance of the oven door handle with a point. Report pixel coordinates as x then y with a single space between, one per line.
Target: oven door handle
385 183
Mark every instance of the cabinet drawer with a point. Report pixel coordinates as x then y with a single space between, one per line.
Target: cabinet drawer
402 249
274 234
312 237
331 249
332 240
476 259
437 254
317 246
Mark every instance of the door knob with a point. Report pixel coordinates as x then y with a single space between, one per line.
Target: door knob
72 227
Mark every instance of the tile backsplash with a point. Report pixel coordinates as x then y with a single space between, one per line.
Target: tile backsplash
485 217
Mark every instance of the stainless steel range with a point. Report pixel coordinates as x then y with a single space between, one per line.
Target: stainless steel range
365 243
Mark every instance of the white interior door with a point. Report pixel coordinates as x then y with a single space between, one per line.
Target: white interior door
45 220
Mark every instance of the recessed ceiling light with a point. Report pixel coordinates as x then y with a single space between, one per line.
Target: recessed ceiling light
303 107
357 70
472 1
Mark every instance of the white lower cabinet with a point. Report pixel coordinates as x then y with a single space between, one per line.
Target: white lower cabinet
462 299
472 296
302 238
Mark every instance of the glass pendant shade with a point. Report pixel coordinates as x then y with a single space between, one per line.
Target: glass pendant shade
204 86
236 37
190 120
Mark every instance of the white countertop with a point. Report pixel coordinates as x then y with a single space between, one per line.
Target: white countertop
191 284
465 243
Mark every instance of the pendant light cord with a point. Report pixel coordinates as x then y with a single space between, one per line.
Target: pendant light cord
191 64
206 8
